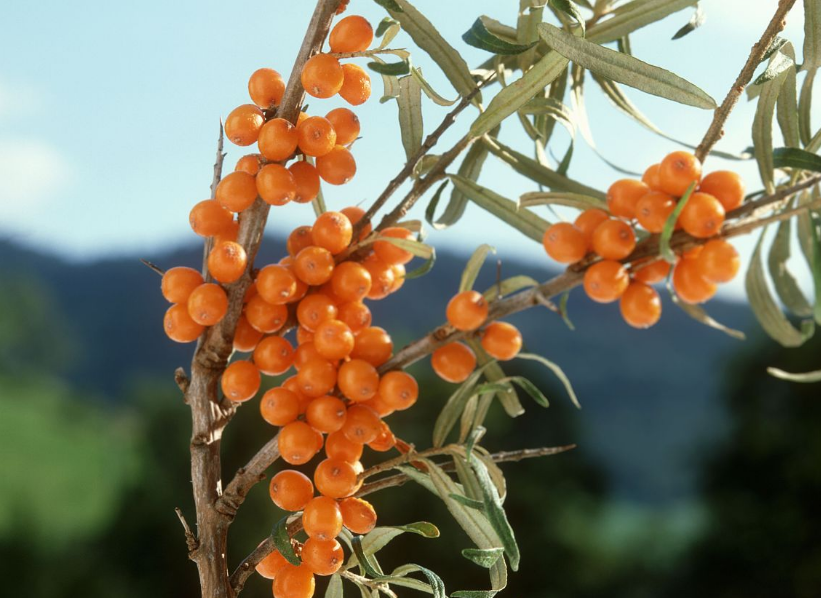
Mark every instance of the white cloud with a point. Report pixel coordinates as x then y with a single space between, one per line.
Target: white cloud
32 173
18 100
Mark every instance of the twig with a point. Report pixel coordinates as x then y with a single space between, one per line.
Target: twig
716 129
247 477
153 267
215 181
190 538
742 228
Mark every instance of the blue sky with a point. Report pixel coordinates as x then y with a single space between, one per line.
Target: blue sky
109 112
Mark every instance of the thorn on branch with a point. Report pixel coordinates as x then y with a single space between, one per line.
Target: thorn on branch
190 538
183 382
153 267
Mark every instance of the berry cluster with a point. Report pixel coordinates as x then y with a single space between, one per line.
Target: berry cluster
648 204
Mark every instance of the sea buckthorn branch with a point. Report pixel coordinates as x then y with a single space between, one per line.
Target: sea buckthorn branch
716 128
247 477
215 180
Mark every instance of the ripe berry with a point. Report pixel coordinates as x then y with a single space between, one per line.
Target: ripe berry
337 167
382 276
718 261
207 304
249 164
271 565
385 440
246 336
357 515
390 253
588 221
453 362
322 76
306 179
178 283
346 125
227 262
335 478
373 345
351 281
316 136
623 195
702 216
276 185
237 191
727 187
291 490
356 315
333 340
564 243
606 281
398 390
640 305
277 140
654 209
299 239
315 309
305 352
279 406
332 231
266 88
690 284
351 34
502 341
276 284
314 265
326 414
356 86
240 381
209 218
322 519
358 380
323 557
179 326
614 240
651 177
651 273
316 377
274 355
230 233
294 582
467 310
297 443
337 446
265 317
398 277
243 124
677 172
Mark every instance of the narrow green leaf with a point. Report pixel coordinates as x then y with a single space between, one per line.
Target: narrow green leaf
625 69
334 589
570 9
698 314
479 36
469 502
787 110
696 21
411 125
812 35
282 541
803 378
390 84
557 371
784 282
670 225
453 409
763 130
502 388
390 68
815 262
792 157
384 26
389 5
805 109
415 247
524 221
398 578
474 265
474 594
424 268
484 557
429 91
531 389
508 286
780 62
363 560
634 15
561 198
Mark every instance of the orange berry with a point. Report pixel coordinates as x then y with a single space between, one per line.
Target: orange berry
274 355
277 140
385 440
322 76
467 310
316 136
209 218
243 124
266 88
337 167
358 380
237 191
623 195
335 478
652 273
351 281
606 281
382 276
357 515
297 443
702 216
614 240
502 341
390 253
315 309
322 519
399 390
654 209
587 221
305 352
326 414
271 564
246 336
640 305
314 265
398 277
276 185
227 261
279 406
351 34
276 284
249 164
207 304
355 214
378 404
726 186
230 233
306 179
453 362
356 315
299 239
690 284
337 446
564 243
356 86
373 345
332 231
333 340
240 381
677 172
294 582
179 326
178 283
316 377
651 177
291 490
323 557
718 261
346 125
265 317
303 335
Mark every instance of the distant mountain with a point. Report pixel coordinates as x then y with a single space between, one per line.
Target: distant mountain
649 397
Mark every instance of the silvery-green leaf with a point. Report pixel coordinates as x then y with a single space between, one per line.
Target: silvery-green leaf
805 110
474 265
560 198
429 91
282 541
812 35
807 377
453 409
670 224
630 16
557 371
763 130
480 36
570 9
411 126
334 589
508 286
699 315
484 557
495 513
792 157
696 21
784 282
